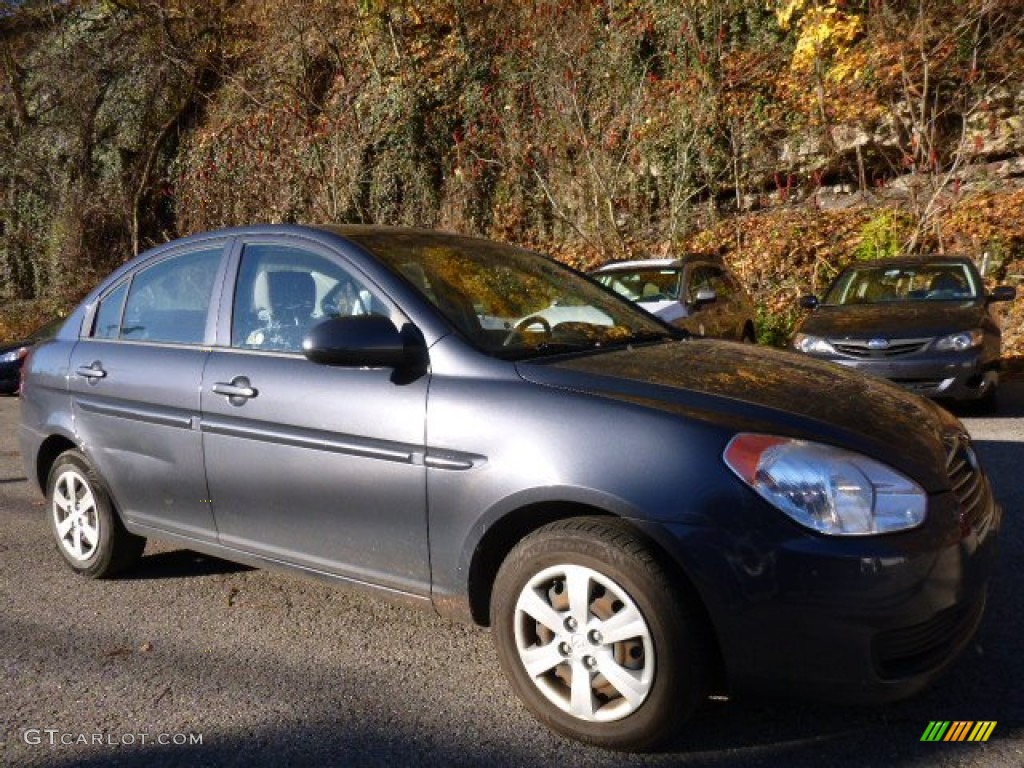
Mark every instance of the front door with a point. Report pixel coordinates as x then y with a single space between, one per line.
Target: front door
308 464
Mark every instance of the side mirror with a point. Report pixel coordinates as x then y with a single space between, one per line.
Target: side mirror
809 302
357 341
704 296
1002 293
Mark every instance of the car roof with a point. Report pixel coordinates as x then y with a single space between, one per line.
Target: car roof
675 263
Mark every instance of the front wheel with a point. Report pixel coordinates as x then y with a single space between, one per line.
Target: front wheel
89 534
594 637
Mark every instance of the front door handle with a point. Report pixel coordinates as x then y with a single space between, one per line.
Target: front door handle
91 372
238 390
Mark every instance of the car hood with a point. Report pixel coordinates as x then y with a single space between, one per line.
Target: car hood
668 310
894 320
758 389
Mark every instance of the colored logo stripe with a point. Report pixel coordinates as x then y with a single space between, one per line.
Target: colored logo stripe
958 730
982 730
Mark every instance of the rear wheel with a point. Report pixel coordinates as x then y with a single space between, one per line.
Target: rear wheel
594 637
89 535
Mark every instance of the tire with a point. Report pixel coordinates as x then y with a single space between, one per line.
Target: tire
89 534
640 686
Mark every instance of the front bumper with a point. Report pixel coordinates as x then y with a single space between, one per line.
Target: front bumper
949 375
852 620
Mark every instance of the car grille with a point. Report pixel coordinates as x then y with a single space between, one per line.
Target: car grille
911 650
896 348
969 483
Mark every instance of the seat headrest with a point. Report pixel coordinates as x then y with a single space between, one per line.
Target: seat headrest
291 290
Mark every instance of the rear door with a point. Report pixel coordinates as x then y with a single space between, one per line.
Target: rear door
313 465
134 381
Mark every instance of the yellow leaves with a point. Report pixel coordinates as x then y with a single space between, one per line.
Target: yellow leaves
785 11
824 33
850 67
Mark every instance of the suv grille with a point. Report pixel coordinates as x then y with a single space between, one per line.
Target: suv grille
896 348
969 483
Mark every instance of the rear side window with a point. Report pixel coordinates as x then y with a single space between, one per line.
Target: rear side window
169 301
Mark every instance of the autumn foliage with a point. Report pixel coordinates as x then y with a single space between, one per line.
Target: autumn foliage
789 136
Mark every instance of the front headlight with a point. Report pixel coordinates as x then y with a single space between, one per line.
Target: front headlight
812 345
958 342
14 355
824 488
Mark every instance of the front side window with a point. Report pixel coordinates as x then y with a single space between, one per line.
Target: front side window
169 301
701 278
723 286
283 291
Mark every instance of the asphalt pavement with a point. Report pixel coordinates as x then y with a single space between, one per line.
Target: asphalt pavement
192 661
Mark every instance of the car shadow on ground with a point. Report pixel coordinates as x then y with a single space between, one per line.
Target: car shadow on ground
180 564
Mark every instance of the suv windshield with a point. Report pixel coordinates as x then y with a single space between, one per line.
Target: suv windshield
643 285
934 281
509 302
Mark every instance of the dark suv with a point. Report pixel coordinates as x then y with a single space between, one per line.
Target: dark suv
693 292
640 517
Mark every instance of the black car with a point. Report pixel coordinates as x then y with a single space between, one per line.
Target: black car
924 323
13 354
642 518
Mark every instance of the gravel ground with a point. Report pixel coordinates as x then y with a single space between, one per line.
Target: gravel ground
267 669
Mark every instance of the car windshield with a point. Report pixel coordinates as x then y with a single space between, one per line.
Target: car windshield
934 281
509 302
643 285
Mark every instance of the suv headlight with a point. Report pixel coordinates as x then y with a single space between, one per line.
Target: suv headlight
824 488
958 342
812 345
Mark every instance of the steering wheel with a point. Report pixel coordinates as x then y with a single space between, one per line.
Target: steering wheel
525 323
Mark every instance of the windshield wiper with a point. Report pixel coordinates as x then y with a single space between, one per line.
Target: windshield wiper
645 337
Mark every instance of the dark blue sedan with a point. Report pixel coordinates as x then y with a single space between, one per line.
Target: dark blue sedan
640 517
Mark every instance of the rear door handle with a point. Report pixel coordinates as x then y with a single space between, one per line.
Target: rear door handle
237 391
91 372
